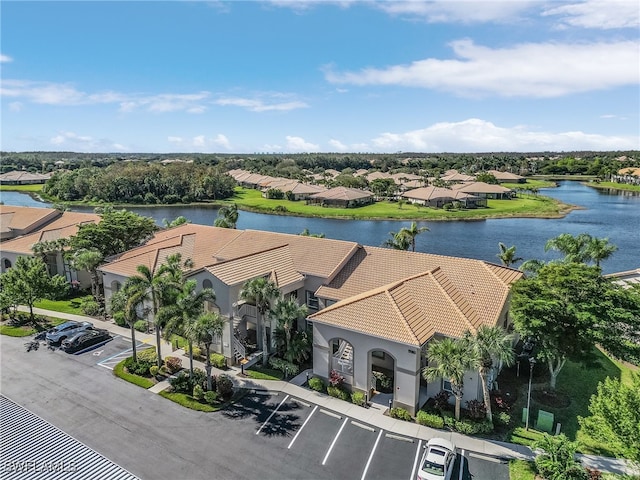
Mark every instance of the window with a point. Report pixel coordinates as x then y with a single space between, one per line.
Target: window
206 283
446 385
378 354
312 300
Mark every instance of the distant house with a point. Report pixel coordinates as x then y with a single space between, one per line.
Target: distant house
628 175
454 177
437 197
342 197
484 190
507 177
627 278
17 177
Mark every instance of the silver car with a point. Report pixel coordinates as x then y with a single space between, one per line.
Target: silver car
65 330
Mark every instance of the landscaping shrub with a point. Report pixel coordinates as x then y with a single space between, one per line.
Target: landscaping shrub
316 384
197 352
89 306
118 317
154 369
148 355
285 367
441 401
173 364
400 413
141 326
448 419
181 383
198 392
140 367
335 379
501 418
476 410
383 382
199 378
211 397
469 427
429 419
218 360
338 392
358 398
224 386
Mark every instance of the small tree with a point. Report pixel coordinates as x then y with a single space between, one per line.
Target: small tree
557 462
29 282
261 292
207 327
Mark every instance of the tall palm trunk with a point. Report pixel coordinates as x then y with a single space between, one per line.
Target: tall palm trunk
207 366
265 342
133 343
485 393
190 358
457 393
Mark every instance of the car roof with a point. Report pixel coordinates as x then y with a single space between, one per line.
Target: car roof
441 442
66 324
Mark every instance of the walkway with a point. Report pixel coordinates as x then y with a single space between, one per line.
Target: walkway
374 415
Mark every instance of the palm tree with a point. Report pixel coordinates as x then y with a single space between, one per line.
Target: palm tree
490 344
180 317
227 216
88 260
287 312
573 248
531 266
600 249
261 292
453 358
124 301
207 327
411 233
507 255
397 241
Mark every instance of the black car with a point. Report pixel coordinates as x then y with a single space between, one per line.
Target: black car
85 339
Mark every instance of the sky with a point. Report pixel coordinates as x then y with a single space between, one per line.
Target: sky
320 76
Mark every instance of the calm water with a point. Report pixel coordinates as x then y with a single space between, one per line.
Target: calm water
606 214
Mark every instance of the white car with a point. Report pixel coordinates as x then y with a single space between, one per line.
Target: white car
438 460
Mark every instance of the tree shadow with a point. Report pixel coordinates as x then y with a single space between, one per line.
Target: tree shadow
252 406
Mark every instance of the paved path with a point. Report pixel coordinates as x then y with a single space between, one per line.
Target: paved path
374 415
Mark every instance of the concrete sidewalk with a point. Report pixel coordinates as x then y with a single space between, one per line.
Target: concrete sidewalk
375 414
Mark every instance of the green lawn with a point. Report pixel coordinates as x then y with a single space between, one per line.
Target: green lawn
189 402
617 186
143 382
523 206
21 188
69 305
263 373
580 383
521 470
28 330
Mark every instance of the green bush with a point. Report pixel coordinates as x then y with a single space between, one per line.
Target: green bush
448 418
224 386
358 398
469 427
211 397
140 367
501 418
218 360
429 419
400 413
154 369
119 371
285 367
316 384
181 383
198 392
141 326
173 364
148 355
337 392
197 352
89 306
118 317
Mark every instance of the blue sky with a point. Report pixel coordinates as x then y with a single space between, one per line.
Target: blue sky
299 76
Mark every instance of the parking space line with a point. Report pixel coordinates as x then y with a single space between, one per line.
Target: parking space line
373 451
362 425
334 441
415 461
272 414
303 425
461 465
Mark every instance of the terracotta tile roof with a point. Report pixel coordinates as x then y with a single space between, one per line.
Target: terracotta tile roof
630 171
480 187
22 218
457 177
432 193
343 193
21 176
65 226
277 263
476 289
505 176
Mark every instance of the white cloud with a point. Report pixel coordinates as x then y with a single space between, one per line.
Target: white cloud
338 145
222 141
200 143
85 143
258 105
528 70
476 135
299 144
450 11
600 14
5 58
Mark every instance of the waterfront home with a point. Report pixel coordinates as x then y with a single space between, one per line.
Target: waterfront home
342 197
484 190
507 177
19 177
437 197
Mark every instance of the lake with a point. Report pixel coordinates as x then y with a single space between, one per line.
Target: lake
612 214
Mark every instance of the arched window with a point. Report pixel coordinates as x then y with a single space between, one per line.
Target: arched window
206 283
6 264
115 286
341 356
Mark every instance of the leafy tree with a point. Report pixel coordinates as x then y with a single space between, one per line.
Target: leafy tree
487 178
286 312
507 255
28 282
49 247
181 220
207 327
452 358
490 344
397 241
383 187
180 317
559 308
227 216
557 462
306 233
574 248
615 417
261 292
88 260
599 249
117 232
531 266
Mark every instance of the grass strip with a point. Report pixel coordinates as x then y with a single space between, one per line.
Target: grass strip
260 373
521 470
119 371
189 402
70 305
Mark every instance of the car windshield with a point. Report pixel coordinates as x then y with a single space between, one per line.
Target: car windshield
433 468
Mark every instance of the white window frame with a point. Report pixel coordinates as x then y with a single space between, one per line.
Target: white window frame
311 300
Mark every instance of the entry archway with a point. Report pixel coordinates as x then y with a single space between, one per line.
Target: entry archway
382 366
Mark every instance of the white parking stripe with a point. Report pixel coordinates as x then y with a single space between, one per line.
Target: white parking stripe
415 461
366 468
303 425
461 464
272 414
334 441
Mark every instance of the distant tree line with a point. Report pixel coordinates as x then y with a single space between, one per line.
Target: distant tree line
141 183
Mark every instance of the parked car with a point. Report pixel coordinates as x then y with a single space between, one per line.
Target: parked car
438 460
85 339
65 330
